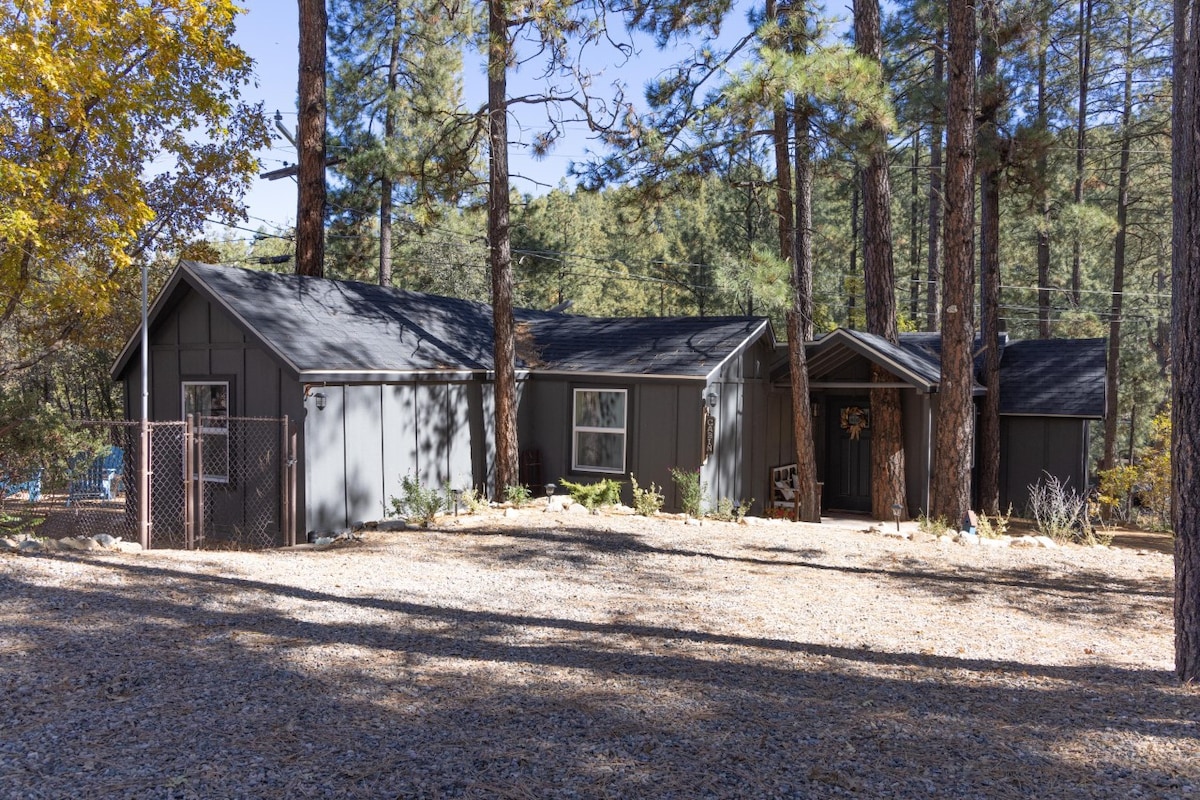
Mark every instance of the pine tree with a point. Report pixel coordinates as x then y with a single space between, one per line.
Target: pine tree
395 93
887 429
1185 340
951 479
310 196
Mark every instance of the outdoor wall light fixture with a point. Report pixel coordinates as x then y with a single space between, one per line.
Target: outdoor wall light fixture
320 398
712 397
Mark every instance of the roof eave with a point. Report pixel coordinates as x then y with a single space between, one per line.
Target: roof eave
915 379
746 343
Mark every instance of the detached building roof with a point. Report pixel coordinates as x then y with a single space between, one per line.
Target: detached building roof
1038 377
1053 377
332 330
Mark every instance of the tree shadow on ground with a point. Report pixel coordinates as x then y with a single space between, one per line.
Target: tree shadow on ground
404 699
1074 592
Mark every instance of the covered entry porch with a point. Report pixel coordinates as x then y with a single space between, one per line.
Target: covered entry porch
839 375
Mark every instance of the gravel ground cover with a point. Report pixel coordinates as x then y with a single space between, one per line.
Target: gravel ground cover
559 655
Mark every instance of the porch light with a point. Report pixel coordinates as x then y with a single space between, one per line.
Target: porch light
320 398
712 397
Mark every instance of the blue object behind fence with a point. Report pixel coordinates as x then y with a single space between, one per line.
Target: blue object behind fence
33 487
97 481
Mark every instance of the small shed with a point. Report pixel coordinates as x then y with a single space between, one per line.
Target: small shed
384 382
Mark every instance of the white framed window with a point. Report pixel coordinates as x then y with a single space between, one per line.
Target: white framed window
598 430
210 399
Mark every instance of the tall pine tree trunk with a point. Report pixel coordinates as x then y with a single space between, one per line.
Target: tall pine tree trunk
1085 69
951 481
914 229
1185 338
991 97
385 180
801 116
887 434
795 242
933 269
1043 177
310 174
500 249
1112 376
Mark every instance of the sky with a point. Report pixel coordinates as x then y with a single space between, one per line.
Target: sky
269 33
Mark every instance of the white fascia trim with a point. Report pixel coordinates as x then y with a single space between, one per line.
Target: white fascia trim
391 375
625 376
750 339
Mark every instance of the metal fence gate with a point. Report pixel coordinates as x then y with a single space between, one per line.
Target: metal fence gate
223 483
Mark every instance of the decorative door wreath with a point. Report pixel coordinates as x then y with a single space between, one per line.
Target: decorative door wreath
855 420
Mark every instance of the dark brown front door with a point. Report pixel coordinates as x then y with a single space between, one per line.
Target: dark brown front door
848 476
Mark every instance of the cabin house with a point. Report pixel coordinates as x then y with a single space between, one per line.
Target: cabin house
378 383
381 383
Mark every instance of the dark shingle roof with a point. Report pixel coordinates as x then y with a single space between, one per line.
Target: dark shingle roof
1039 377
319 326
685 346
925 365
1053 377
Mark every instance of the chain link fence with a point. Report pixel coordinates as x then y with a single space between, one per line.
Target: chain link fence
212 482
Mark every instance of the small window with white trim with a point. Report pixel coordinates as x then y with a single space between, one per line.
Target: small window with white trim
598 430
210 399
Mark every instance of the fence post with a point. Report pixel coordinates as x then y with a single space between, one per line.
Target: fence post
198 427
144 467
293 449
283 482
189 513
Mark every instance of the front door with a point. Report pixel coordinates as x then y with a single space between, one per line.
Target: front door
848 473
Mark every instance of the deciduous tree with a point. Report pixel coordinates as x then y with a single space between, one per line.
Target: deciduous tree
122 129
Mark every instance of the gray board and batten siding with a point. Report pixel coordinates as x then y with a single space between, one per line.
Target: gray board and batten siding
405 379
1051 390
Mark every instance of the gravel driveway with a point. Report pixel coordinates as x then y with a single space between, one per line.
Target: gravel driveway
561 655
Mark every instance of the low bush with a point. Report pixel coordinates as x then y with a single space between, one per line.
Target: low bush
518 495
993 527
691 491
1059 511
728 511
473 500
594 495
646 502
418 503
935 526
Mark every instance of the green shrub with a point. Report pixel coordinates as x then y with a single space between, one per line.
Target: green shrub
473 500
419 503
993 527
517 494
691 491
935 526
594 495
646 502
728 511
